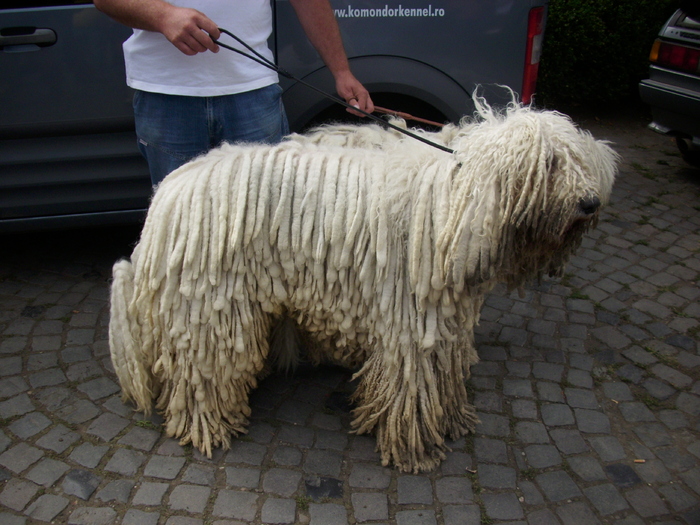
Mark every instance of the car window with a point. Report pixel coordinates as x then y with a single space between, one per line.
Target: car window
688 22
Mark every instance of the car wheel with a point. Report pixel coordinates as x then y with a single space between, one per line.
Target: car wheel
690 154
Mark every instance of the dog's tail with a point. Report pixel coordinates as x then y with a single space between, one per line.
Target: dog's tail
285 345
125 349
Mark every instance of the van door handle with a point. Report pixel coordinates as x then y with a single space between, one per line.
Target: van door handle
26 38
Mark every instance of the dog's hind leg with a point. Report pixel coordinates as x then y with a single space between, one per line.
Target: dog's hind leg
206 388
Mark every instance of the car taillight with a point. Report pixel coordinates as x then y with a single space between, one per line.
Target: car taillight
535 32
674 56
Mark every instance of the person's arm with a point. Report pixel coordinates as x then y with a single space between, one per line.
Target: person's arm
321 27
187 29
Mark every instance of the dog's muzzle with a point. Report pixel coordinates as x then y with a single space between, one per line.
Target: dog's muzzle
589 205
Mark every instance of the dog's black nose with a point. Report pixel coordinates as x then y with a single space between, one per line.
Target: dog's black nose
589 205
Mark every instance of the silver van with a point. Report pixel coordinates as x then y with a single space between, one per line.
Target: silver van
68 152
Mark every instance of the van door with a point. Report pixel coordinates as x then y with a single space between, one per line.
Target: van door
67 145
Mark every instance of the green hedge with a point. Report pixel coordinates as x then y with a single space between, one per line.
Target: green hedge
596 51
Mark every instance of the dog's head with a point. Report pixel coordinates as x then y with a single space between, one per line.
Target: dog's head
543 181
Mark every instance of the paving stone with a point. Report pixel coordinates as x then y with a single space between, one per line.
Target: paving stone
322 488
245 452
117 490
456 463
277 510
581 398
658 389
524 409
163 467
496 476
674 459
608 448
200 475
568 441
243 477
329 514
170 447
653 471
542 517
689 404
592 421
452 489
107 426
287 456
653 435
414 490
139 517
531 432
674 377
283 482
370 506
548 371
606 498
630 373
88 455
558 486
531 495
646 502
490 450
550 392
127 462
587 468
150 493
92 516
331 440
502 506
673 419
58 439
412 517
48 377
542 456
190 498
140 438
517 388
17 493
47 472
323 462
555 414
493 425
29 425
99 388
297 435
622 475
679 499
461 515
577 513
235 504
16 406
80 483
369 476
19 457
488 401
46 507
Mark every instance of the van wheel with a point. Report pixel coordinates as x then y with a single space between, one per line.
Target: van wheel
689 153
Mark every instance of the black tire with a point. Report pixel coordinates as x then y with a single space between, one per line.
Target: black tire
690 154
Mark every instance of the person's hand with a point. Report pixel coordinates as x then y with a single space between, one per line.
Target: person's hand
354 93
190 30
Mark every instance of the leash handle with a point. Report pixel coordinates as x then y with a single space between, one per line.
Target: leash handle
260 59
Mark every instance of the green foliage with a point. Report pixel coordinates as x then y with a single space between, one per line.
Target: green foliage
596 51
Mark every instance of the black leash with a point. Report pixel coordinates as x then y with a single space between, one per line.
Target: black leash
260 59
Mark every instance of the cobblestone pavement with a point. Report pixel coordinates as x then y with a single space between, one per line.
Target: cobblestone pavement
588 393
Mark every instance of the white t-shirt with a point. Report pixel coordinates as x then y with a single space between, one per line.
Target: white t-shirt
154 64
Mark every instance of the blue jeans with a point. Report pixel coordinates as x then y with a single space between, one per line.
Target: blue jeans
174 129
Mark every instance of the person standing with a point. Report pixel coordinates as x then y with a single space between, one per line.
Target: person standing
190 98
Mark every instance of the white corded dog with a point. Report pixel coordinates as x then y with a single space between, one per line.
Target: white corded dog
379 247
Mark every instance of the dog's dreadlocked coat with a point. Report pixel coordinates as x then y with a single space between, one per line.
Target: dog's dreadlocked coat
380 248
